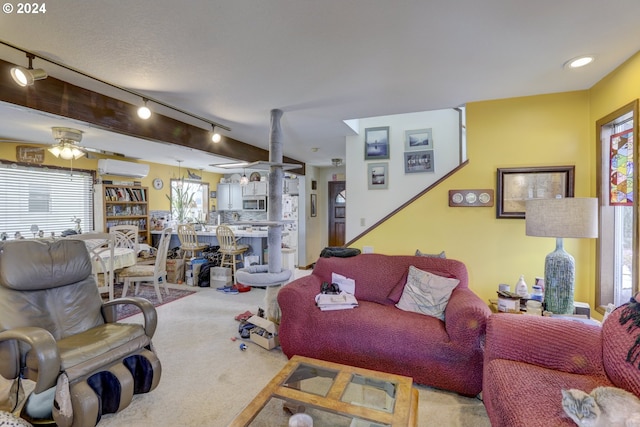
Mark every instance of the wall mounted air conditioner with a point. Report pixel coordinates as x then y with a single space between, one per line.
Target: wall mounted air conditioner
120 168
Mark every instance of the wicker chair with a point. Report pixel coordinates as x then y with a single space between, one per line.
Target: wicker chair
126 236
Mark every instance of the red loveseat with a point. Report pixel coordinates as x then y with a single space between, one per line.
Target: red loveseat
377 335
529 359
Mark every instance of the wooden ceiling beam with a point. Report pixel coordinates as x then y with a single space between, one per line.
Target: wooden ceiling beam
64 99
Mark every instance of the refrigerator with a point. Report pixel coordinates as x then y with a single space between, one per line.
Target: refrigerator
290 231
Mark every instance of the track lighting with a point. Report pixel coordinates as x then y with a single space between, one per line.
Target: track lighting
215 136
26 76
144 112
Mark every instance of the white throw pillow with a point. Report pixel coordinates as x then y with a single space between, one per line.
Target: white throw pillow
426 293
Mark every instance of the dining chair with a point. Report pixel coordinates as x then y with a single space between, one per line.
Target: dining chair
149 273
229 248
126 236
101 250
189 240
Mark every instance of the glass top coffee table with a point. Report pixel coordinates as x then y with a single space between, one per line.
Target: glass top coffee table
333 395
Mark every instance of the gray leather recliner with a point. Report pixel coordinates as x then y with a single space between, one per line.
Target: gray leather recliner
56 330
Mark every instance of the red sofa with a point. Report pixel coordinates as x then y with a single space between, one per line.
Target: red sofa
379 336
529 359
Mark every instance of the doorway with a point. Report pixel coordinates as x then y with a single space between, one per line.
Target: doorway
337 212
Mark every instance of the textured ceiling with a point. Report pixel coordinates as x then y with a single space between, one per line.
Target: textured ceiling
321 62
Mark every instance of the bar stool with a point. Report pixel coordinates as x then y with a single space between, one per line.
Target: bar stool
189 240
229 248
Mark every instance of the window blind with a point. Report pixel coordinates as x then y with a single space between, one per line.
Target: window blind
44 197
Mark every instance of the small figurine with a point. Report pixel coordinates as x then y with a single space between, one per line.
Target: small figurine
77 221
243 347
18 236
4 235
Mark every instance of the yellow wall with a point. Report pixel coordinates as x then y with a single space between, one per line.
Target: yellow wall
556 129
615 90
157 198
545 130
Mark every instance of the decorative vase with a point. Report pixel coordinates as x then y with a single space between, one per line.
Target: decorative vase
559 280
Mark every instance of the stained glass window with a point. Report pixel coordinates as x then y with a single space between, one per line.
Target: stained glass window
621 169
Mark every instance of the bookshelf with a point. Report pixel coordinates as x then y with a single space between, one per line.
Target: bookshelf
122 204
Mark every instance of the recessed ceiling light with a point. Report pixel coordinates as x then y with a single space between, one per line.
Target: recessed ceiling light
580 61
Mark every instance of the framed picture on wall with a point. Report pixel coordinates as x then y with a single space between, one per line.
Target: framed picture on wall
376 143
419 139
418 161
517 185
314 204
378 176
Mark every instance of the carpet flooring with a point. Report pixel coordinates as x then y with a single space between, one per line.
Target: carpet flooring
207 380
148 292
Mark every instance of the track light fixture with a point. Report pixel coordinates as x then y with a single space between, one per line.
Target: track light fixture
144 112
26 76
215 136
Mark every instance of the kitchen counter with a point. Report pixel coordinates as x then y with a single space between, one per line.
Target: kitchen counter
256 239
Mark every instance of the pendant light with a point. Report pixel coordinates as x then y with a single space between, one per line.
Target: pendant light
244 180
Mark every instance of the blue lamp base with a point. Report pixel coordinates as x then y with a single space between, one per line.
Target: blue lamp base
559 280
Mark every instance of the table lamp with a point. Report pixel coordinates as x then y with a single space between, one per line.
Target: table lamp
560 218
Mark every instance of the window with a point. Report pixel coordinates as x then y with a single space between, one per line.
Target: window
189 200
35 198
618 240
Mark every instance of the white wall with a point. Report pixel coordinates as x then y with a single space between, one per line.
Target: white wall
369 206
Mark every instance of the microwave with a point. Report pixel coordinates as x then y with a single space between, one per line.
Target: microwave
254 203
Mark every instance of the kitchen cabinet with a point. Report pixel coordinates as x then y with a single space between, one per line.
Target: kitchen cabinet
229 197
290 186
256 188
121 205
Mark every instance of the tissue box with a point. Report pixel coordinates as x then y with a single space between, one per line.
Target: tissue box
265 334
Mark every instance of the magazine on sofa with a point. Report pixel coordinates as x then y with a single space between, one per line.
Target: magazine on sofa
342 301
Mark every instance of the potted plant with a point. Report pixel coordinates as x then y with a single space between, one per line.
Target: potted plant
180 202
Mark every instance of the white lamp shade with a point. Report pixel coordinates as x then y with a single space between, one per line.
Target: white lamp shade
568 217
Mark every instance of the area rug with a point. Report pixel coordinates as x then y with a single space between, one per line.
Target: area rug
147 292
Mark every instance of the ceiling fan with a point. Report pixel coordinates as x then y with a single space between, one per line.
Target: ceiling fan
67 144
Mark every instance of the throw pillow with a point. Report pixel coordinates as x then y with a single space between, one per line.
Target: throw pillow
426 293
440 255
10 420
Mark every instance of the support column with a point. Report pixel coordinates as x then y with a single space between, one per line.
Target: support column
275 193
